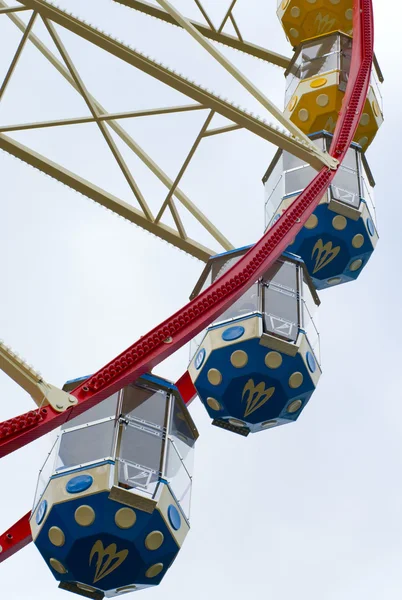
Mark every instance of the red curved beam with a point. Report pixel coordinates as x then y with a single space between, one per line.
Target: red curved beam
15 538
169 336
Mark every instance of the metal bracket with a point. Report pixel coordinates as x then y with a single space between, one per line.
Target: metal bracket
42 393
60 401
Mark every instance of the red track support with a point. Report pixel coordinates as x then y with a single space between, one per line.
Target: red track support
16 538
171 335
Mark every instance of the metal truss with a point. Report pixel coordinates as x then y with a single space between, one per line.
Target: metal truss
175 200
213 33
175 331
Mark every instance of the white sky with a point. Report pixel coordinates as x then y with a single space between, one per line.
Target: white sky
309 511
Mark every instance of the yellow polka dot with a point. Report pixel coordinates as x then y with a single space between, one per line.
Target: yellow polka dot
57 566
237 423
363 141
214 404
154 540
292 103
356 264
273 360
56 536
239 359
84 515
376 108
334 280
322 100
349 14
311 222
268 424
125 518
334 1
295 380
294 406
358 241
86 588
319 82
214 377
365 120
303 115
154 570
295 12
339 222
126 588
293 32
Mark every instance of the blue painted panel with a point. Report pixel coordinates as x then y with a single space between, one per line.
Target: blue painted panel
233 333
41 512
78 484
174 517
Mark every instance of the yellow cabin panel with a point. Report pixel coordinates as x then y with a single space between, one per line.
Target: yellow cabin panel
305 19
316 103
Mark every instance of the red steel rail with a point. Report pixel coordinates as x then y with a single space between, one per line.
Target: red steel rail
176 331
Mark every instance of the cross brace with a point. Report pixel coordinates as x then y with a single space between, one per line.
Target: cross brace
216 36
181 84
103 198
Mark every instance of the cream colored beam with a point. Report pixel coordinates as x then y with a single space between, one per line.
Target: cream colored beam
102 126
219 130
306 152
211 33
42 393
185 164
101 117
246 83
17 54
103 198
129 141
12 9
236 28
204 14
227 15
177 219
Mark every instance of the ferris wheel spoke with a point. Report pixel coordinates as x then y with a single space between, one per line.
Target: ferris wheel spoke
12 9
95 114
17 54
204 14
210 32
185 165
104 198
228 15
219 130
103 117
236 28
246 83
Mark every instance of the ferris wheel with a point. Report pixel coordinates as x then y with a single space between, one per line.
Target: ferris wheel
111 509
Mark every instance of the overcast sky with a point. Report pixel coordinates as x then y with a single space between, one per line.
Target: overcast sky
307 511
